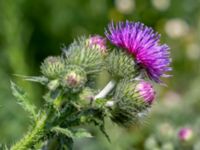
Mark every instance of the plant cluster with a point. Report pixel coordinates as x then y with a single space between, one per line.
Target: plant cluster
135 60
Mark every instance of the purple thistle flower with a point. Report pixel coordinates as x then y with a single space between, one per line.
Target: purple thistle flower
143 43
146 91
185 134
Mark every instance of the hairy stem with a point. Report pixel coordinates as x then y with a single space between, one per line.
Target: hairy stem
32 136
106 90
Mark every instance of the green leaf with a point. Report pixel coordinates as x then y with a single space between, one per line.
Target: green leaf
82 133
64 131
40 79
78 133
22 99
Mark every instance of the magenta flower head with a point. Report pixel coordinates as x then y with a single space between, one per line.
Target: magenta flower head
146 91
185 134
98 41
143 44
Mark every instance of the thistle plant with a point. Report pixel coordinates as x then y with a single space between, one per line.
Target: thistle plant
135 61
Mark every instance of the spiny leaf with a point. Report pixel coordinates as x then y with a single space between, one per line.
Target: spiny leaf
40 79
78 133
64 131
22 99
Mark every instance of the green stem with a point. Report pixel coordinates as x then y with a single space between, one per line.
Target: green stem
33 136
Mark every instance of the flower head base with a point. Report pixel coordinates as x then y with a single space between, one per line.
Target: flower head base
185 134
99 42
146 91
121 66
143 44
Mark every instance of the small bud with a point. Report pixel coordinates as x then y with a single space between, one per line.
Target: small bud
185 134
98 42
52 67
120 65
74 78
86 96
52 85
132 102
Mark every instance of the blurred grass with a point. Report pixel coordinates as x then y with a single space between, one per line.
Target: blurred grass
31 30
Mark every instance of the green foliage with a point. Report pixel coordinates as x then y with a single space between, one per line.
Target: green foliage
63 131
40 79
79 133
23 99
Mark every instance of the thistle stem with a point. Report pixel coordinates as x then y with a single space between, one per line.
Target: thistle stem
104 92
32 136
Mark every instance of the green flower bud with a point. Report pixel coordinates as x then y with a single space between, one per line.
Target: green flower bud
132 101
86 96
120 65
74 78
82 54
52 67
52 85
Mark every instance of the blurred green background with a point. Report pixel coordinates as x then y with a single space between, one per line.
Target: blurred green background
31 30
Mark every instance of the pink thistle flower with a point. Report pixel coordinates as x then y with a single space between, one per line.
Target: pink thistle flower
99 42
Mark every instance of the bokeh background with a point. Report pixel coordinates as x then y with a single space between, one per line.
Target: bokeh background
31 30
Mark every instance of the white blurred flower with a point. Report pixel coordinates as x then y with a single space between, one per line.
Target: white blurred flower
176 28
151 143
193 51
165 131
161 4
125 6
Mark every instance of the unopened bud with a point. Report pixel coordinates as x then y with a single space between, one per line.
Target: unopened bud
52 67
81 53
99 42
132 102
74 78
185 134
